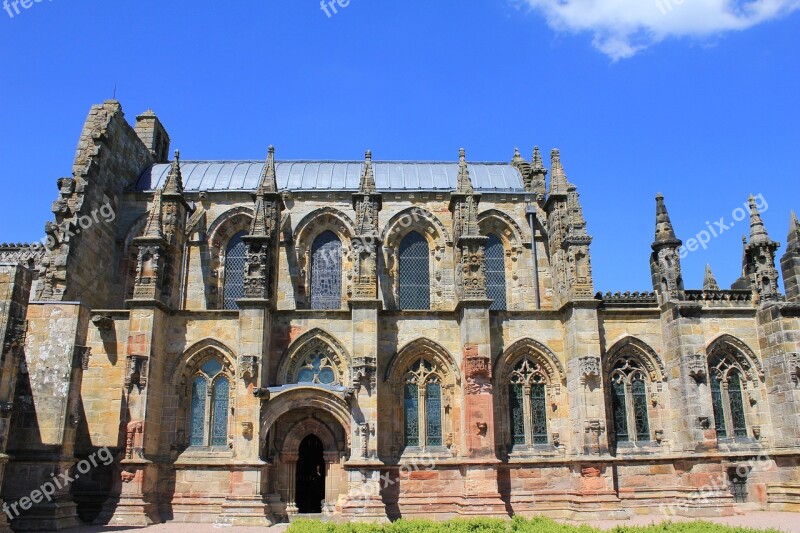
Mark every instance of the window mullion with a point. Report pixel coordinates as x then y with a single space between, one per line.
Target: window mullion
527 414
423 418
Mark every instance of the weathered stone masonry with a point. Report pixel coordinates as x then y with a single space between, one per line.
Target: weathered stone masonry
377 339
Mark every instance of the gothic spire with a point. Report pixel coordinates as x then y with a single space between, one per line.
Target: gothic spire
367 185
793 242
174 183
709 282
464 181
665 234
538 164
558 178
268 182
153 229
538 173
758 233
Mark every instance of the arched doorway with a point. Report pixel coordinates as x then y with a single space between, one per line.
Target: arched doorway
310 477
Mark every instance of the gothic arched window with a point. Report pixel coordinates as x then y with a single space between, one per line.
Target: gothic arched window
317 368
527 396
629 401
326 272
727 398
422 405
235 259
414 283
208 416
496 273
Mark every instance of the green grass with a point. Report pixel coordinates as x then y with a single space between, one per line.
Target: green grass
516 525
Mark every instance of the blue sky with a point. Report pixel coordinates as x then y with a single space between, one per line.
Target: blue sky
693 101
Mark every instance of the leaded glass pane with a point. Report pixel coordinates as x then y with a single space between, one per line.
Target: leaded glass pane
212 367
539 413
433 414
496 273
235 259
326 272
411 414
414 281
219 419
640 408
737 406
716 403
620 411
198 412
515 399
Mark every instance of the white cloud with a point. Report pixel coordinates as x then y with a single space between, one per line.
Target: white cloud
621 28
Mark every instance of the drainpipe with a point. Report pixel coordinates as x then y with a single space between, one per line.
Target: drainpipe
530 210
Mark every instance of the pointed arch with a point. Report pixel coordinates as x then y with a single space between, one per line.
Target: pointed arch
197 354
504 226
310 426
315 341
527 347
228 224
646 355
419 219
426 348
320 220
734 348
307 397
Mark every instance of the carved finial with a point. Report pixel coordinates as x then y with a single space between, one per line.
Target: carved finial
464 181
709 282
517 156
538 164
758 233
174 183
794 234
268 182
558 178
665 234
367 185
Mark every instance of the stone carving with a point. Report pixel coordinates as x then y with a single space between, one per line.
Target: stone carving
103 322
261 393
247 430
365 371
589 368
133 439
136 369
556 439
365 430
703 422
696 366
81 356
478 372
757 432
659 435
248 366
127 476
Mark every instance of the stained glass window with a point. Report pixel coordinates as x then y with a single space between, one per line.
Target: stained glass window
219 420
198 413
235 259
433 414
716 403
737 406
639 394
414 287
317 368
411 410
515 399
496 273
539 412
326 272
620 410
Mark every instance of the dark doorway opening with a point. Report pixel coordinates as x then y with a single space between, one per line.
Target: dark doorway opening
310 476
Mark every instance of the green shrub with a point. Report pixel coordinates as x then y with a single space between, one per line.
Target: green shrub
518 524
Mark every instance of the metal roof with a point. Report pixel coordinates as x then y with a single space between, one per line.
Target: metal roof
333 176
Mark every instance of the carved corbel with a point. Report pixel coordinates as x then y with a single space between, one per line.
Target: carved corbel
103 322
136 369
247 430
589 368
248 366
703 422
262 394
696 366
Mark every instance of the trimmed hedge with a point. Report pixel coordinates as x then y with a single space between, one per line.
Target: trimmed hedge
516 525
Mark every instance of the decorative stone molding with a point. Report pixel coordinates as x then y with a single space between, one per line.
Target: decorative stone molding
478 372
589 368
133 439
81 356
136 370
696 366
248 366
594 425
366 430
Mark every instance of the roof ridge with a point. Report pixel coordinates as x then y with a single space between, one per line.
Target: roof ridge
347 161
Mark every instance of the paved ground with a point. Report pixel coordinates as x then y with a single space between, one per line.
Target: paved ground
788 522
